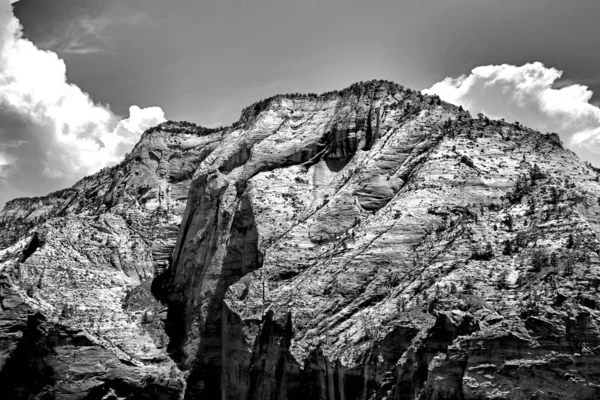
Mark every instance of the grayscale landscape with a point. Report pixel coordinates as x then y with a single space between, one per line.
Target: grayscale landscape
372 241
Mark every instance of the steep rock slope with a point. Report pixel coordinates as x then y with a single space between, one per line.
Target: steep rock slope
78 316
369 243
378 243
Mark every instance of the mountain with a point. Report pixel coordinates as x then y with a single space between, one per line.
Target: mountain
79 283
368 243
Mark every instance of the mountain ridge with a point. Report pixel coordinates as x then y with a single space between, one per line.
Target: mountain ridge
372 242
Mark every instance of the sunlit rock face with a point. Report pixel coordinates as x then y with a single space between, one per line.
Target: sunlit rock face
79 318
369 243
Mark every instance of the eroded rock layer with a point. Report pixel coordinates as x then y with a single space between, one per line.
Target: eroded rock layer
377 243
79 319
371 243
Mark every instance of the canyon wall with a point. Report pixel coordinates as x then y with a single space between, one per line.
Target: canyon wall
377 243
369 243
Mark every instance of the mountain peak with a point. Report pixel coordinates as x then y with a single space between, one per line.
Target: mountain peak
373 237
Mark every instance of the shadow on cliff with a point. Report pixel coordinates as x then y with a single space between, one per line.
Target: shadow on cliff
26 372
222 361
221 367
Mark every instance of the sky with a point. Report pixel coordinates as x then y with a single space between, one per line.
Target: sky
81 79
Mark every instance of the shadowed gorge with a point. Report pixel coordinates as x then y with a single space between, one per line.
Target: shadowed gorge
368 243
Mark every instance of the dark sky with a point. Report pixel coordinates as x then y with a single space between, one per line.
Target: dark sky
113 68
204 61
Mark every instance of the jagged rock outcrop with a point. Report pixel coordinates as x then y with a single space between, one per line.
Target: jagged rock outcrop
377 243
76 278
371 243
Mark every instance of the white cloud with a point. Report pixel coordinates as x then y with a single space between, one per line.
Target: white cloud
73 135
528 94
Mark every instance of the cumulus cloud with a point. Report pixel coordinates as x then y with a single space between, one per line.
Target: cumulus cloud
529 94
51 129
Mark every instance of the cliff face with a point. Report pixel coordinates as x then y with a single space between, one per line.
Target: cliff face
359 245
78 285
372 243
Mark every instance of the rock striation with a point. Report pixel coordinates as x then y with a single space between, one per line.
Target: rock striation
369 243
77 273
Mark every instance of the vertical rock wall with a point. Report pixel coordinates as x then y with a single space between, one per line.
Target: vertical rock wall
403 247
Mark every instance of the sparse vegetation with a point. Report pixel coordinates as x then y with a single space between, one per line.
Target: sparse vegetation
468 285
539 260
484 254
502 282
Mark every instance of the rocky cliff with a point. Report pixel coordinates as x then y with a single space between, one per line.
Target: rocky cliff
371 243
76 277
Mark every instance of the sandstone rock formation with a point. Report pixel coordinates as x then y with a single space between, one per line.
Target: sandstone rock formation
371 243
76 278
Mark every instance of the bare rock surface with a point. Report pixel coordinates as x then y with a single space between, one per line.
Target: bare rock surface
79 319
376 243
369 243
